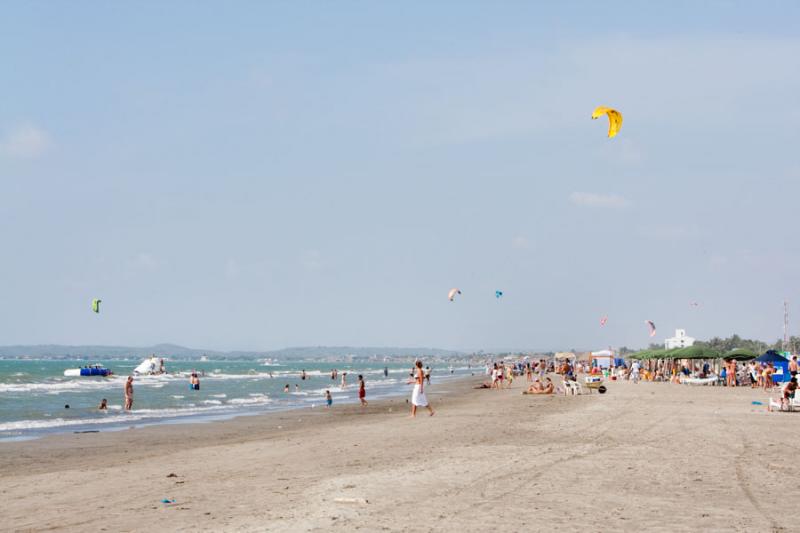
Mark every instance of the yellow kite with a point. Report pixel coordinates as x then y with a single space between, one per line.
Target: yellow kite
614 119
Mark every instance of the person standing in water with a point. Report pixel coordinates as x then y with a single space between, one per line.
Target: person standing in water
303 375
362 391
129 394
386 371
344 380
103 405
328 399
418 398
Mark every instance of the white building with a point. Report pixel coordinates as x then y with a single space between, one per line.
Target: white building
680 340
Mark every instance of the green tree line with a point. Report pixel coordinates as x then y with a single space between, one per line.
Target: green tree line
735 341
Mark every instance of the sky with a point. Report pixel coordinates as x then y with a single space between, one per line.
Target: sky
256 175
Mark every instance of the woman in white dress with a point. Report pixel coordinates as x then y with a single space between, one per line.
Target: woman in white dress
418 398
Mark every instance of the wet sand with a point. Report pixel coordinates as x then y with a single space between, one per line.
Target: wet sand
653 456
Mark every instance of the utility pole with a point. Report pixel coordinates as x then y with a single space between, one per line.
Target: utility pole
785 325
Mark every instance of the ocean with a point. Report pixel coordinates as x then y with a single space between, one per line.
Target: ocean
34 393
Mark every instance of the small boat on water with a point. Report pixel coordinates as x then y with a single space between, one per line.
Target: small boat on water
88 370
152 366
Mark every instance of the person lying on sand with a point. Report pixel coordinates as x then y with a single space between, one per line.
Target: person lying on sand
483 385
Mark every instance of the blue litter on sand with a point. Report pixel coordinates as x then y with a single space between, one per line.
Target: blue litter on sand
167 501
756 403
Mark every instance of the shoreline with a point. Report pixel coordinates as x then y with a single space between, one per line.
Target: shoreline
212 409
617 461
242 427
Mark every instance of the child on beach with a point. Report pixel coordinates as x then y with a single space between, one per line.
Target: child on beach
328 399
362 391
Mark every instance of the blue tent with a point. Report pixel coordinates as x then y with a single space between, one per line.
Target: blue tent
780 363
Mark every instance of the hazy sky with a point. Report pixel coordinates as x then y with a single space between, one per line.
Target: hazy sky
253 175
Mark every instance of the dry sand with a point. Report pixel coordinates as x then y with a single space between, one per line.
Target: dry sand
653 456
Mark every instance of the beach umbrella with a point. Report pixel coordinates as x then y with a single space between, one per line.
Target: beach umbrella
740 354
694 352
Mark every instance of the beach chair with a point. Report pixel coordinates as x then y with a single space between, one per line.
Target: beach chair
572 387
793 405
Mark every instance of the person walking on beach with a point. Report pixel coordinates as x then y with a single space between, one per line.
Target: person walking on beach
751 369
793 366
418 398
328 399
428 374
495 381
129 394
635 372
362 391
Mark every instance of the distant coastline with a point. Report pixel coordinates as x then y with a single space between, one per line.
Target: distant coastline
57 351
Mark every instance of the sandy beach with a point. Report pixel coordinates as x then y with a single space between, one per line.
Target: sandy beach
651 456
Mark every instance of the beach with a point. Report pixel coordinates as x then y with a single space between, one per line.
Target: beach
653 456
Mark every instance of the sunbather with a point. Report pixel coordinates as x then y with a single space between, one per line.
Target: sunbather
538 388
535 387
788 393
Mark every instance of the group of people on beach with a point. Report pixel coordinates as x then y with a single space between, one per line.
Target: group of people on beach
418 376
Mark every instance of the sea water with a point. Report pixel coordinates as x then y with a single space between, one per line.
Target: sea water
34 393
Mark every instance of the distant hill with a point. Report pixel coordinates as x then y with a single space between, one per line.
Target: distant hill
55 351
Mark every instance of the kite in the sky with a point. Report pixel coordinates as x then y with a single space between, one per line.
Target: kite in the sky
498 294
603 321
614 119
96 305
652 327
452 294
694 304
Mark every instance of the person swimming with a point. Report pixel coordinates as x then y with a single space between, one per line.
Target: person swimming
103 405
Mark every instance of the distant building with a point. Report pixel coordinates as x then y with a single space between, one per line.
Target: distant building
680 340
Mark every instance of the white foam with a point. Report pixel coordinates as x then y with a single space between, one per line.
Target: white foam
249 401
